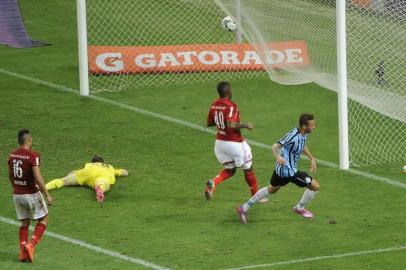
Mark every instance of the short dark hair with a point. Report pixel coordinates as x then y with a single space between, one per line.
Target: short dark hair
305 118
22 135
223 88
97 159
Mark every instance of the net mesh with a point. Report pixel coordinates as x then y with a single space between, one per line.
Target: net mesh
156 23
376 34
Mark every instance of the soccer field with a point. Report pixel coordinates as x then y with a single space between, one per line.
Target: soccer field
158 218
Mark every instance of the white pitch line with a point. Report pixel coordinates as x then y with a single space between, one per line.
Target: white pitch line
92 247
336 256
62 88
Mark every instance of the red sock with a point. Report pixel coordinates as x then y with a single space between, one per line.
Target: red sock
251 181
23 235
38 232
223 175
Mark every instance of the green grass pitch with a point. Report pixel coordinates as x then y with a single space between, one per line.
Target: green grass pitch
159 212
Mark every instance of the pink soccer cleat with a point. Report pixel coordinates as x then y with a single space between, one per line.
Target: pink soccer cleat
242 214
303 212
99 194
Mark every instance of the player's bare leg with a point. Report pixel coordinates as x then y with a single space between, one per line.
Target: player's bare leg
263 193
308 195
36 237
69 180
25 224
212 183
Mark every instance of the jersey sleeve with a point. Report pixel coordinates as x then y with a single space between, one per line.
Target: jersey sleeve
34 159
210 118
10 169
118 172
287 138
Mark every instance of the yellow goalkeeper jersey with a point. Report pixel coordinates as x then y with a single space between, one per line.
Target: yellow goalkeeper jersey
90 173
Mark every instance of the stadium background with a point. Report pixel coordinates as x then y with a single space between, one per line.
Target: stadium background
159 213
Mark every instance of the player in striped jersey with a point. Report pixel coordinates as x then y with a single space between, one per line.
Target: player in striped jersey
287 152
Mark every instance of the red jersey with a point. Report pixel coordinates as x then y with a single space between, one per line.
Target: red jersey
20 163
222 111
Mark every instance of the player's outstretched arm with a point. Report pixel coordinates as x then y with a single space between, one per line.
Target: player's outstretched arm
121 172
236 125
40 182
313 165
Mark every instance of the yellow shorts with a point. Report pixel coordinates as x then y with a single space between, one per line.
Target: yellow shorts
89 179
82 177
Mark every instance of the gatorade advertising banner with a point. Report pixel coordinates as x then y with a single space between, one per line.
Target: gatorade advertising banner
195 58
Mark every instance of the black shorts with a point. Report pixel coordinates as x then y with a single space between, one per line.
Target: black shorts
300 179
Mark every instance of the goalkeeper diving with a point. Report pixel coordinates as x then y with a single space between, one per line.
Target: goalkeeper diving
95 174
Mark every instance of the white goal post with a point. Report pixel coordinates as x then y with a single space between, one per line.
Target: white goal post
342 85
82 44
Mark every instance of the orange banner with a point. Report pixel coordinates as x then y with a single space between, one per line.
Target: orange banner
362 3
194 58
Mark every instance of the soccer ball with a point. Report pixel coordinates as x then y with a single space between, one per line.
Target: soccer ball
229 24
404 169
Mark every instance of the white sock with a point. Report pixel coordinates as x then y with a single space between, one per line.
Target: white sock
261 194
308 195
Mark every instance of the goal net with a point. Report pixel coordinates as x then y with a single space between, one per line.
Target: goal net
118 30
376 53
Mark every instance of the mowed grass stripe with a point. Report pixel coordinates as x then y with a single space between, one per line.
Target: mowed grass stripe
92 247
365 175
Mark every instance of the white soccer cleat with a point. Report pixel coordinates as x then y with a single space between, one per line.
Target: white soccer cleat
264 200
